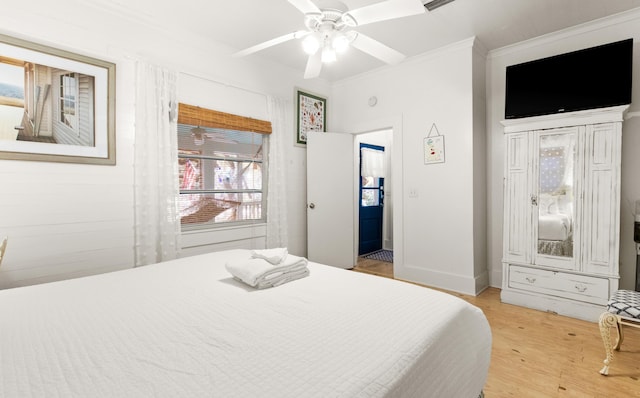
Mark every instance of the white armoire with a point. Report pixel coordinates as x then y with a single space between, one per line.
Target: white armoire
562 211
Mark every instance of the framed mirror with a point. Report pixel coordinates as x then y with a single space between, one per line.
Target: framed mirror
556 194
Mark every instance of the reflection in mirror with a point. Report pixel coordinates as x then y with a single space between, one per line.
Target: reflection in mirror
556 194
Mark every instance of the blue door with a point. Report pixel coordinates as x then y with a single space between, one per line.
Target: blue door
371 205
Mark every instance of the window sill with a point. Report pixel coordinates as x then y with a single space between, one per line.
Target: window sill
187 230
232 235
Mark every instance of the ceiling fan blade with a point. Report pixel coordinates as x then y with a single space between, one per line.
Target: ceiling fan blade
377 49
314 65
385 10
272 42
305 6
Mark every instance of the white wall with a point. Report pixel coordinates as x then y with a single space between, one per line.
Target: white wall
437 227
607 30
480 167
67 220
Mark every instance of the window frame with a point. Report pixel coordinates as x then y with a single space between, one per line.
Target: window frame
378 182
187 115
61 101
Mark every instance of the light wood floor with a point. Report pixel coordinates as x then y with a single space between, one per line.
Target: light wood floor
538 354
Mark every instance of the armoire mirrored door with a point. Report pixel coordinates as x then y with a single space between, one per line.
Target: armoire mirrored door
555 199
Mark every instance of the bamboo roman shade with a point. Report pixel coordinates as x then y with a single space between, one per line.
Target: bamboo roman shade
196 116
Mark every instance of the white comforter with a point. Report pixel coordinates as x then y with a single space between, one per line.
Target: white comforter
185 328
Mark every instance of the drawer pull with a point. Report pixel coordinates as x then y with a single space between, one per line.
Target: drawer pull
530 279
580 287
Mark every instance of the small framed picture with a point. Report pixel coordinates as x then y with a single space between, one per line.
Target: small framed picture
311 115
434 149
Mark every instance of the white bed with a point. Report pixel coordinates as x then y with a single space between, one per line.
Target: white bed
185 328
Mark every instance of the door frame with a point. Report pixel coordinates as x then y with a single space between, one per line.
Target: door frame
395 124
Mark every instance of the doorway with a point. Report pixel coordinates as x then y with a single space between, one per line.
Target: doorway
375 203
371 198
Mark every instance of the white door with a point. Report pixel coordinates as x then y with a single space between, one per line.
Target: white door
330 199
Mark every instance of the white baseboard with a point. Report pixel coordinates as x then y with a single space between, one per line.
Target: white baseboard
457 283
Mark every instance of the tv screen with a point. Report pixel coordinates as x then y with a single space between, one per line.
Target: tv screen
595 77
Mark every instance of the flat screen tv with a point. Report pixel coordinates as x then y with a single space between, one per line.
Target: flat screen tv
595 77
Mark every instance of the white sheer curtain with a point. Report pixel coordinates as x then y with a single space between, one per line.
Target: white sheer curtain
157 224
372 162
277 196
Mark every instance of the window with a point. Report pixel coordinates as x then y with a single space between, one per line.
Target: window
371 191
68 102
12 99
372 171
222 171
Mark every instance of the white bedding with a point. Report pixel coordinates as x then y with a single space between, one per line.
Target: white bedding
554 227
185 328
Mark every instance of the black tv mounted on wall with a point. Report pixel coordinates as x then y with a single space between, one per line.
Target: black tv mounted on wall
595 77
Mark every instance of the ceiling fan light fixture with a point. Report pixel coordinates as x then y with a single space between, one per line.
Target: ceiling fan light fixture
310 44
328 55
328 30
340 43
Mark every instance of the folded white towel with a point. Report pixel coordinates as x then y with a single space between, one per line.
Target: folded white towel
259 273
285 277
274 256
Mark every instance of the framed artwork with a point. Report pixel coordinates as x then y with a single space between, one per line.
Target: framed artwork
311 115
434 147
55 106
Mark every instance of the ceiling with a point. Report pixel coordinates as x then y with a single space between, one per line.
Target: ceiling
496 23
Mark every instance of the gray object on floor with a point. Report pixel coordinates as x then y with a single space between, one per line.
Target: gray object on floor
380 255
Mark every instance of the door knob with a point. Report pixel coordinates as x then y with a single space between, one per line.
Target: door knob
312 205
534 200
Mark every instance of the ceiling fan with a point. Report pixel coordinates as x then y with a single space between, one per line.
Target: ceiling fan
200 135
330 30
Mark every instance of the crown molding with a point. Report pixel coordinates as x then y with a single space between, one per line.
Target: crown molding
587 27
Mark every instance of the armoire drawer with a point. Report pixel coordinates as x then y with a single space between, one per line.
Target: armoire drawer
560 284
